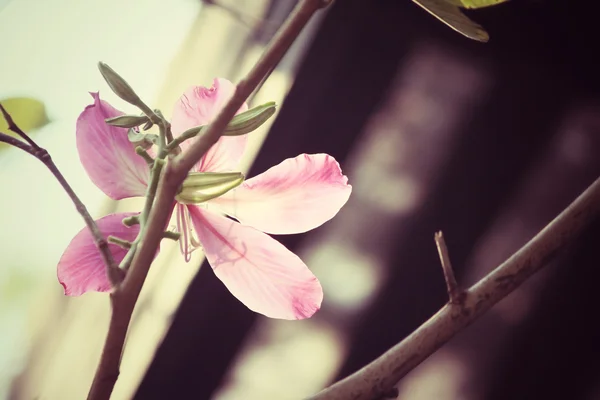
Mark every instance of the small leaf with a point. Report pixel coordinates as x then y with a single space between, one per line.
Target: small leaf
447 11
474 4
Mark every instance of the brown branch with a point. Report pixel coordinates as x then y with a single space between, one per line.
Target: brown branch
377 378
5 138
454 292
114 273
125 296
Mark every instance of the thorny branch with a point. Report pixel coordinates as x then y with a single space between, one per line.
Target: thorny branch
454 292
377 379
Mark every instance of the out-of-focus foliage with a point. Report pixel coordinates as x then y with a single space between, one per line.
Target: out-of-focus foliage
29 114
476 3
448 12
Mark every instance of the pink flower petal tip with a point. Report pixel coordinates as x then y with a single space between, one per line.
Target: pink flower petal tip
81 268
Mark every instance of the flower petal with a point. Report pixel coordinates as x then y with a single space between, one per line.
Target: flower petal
295 196
81 268
199 106
264 275
225 155
107 155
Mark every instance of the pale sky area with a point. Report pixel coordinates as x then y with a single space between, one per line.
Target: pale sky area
50 50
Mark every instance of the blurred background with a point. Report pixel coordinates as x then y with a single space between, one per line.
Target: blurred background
487 142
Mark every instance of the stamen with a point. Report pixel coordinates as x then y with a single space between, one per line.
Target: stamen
188 233
182 227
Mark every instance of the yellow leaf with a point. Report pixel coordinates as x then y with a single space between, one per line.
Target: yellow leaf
29 114
450 14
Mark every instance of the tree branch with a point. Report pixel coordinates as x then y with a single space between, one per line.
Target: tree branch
376 379
454 292
173 174
114 273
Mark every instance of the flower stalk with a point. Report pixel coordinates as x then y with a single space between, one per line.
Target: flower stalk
166 182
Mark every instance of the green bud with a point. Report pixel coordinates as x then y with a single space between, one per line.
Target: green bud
199 187
119 85
132 220
144 140
250 120
128 121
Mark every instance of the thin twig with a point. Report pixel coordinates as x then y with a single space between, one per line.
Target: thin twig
15 128
125 296
377 378
454 292
5 138
114 274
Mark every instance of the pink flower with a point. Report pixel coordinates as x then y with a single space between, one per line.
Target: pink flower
295 196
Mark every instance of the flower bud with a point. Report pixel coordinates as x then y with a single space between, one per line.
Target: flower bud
119 85
144 140
199 187
241 124
132 220
250 120
128 121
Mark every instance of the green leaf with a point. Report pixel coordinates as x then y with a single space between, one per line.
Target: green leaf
448 12
29 114
476 3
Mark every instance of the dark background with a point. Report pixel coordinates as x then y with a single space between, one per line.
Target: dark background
542 62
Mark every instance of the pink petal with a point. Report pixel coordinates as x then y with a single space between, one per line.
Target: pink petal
107 155
295 196
199 106
224 155
264 275
81 268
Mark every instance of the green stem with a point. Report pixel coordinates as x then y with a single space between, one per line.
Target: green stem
151 191
155 171
144 154
119 242
171 235
188 134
